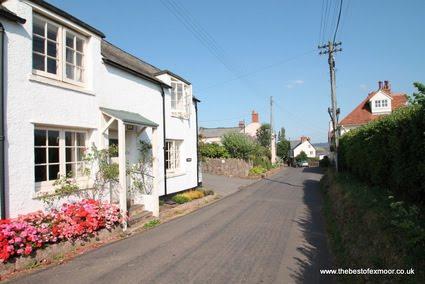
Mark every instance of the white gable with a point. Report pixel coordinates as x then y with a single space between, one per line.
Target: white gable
307 147
380 103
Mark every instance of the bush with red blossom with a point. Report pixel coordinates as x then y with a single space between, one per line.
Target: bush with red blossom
79 220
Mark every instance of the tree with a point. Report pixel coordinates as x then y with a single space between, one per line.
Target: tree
419 97
283 145
301 157
264 135
282 149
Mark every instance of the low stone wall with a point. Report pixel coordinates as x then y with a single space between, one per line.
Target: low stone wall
226 167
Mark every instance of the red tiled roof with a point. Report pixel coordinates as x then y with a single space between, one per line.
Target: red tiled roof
362 114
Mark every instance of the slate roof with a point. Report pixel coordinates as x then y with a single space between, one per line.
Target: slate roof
10 15
129 117
294 144
362 114
217 132
67 16
124 60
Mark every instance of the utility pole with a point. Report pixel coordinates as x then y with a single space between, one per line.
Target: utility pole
272 138
330 49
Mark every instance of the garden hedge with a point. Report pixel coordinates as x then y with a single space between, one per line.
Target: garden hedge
389 152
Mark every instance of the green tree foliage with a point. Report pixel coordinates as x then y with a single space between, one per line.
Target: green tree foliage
301 157
388 152
283 145
213 150
239 145
419 97
264 135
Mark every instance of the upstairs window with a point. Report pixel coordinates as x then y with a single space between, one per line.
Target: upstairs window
45 45
181 98
57 52
381 103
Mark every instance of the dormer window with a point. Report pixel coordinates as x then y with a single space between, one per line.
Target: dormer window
381 103
181 98
57 51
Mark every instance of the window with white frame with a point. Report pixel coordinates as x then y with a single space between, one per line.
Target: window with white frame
181 97
58 152
172 155
57 51
381 103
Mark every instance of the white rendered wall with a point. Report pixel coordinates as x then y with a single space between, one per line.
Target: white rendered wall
307 148
29 103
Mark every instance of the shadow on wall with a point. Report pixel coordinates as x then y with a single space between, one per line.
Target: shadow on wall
313 254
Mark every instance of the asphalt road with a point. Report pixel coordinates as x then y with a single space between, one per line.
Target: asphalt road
270 232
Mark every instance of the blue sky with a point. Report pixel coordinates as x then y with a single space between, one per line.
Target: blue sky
270 49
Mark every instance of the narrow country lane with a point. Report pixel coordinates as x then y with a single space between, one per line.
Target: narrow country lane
270 232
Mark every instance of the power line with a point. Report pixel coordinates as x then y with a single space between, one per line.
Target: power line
339 17
258 70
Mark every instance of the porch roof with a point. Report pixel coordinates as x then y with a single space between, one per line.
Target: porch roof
129 117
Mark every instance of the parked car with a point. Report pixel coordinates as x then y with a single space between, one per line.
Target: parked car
302 164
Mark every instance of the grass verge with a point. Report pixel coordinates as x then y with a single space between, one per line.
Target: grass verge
368 228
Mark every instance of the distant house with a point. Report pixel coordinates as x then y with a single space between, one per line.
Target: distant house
302 145
214 135
375 105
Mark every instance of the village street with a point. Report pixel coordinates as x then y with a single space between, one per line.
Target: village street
271 232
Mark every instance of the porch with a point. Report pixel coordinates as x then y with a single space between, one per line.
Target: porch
125 129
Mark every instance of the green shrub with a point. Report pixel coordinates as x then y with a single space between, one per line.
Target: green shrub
325 162
213 150
262 162
387 152
180 198
257 170
239 145
152 224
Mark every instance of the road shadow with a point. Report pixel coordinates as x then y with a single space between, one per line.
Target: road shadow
282 182
314 252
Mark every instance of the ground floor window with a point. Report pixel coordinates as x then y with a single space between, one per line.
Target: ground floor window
58 152
172 155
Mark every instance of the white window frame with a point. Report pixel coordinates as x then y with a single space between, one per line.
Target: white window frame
378 104
181 107
384 103
47 186
61 53
173 164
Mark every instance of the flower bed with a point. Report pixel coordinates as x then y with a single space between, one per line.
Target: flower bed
74 221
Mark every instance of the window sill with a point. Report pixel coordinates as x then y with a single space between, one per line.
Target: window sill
176 174
53 82
48 189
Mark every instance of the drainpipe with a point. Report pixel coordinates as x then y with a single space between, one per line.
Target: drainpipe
164 138
197 146
2 182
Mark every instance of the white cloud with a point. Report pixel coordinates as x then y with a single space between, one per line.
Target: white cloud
289 86
298 82
363 86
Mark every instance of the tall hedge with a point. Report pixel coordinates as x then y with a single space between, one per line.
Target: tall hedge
389 152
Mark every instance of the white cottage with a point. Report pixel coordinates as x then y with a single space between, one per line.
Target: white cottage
65 88
302 145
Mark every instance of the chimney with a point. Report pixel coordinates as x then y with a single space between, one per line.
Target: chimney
254 116
304 138
387 86
379 85
242 124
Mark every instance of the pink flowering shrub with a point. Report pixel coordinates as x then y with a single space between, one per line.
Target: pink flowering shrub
79 220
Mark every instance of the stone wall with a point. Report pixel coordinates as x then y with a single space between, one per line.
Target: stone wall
226 167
